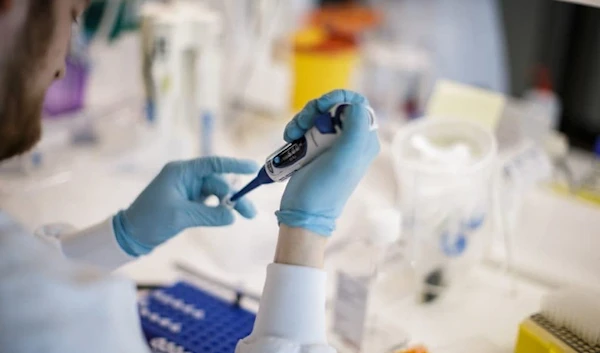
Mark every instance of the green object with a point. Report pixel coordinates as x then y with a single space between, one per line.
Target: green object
127 19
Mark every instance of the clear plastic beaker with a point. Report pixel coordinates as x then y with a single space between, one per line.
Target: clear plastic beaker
444 170
394 78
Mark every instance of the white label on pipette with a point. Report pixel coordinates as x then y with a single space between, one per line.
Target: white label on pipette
350 309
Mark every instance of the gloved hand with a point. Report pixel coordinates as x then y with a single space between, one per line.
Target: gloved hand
316 194
174 201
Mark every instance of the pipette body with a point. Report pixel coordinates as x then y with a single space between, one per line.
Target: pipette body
291 157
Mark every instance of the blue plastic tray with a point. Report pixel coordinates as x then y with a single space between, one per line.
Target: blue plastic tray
184 318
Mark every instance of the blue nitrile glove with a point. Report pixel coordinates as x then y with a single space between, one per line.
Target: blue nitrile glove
316 194
174 201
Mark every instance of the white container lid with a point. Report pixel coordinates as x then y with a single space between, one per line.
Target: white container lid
416 143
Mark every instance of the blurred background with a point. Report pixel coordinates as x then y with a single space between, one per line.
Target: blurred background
487 189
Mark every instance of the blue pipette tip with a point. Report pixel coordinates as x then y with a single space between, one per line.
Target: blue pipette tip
261 178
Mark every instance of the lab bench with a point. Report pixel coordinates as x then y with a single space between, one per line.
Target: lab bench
486 312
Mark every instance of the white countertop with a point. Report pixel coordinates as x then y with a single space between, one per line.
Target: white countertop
485 312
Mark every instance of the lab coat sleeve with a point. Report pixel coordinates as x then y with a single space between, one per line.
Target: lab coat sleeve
291 318
96 245
51 305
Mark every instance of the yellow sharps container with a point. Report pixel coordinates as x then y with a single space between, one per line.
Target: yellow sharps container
321 63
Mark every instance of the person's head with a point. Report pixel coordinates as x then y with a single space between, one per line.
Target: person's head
35 37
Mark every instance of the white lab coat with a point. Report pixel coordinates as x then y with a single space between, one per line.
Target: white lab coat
52 304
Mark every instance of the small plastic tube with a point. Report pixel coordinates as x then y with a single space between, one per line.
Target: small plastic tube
171 347
175 328
227 201
178 304
188 309
144 312
198 314
169 300
165 322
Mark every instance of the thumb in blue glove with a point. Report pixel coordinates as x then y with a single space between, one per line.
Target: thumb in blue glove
316 194
175 200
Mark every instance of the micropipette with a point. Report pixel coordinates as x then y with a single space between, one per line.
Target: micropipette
288 159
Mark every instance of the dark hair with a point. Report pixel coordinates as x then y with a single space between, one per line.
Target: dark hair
20 113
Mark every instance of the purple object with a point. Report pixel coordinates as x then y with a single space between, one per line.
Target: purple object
67 95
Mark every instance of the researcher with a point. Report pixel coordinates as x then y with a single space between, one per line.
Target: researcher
57 294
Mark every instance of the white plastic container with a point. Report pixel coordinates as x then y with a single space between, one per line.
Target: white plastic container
363 290
542 108
444 171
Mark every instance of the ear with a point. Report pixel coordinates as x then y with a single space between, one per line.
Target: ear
5 5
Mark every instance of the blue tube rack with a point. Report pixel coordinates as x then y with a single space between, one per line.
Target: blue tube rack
186 319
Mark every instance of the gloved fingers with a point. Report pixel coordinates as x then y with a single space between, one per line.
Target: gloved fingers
245 208
207 216
218 186
305 119
356 138
220 165
340 96
215 185
293 131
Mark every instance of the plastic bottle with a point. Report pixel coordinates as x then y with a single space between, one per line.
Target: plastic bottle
544 107
360 304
